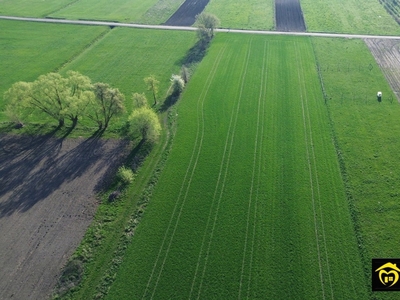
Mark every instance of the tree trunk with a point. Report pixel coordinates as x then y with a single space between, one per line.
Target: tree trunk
74 121
61 122
155 99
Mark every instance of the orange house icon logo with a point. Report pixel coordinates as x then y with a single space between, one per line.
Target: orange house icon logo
385 275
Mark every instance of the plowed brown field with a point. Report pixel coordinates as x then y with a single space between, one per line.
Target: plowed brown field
387 55
289 16
47 200
187 12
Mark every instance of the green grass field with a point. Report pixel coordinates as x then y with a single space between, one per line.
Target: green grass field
251 202
252 14
144 12
352 16
28 50
122 57
125 56
32 8
367 137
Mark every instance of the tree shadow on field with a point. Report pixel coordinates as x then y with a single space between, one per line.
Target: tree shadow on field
33 167
168 102
194 54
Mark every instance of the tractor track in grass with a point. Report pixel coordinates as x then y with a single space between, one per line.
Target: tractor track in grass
259 171
308 141
316 175
255 159
200 105
210 213
230 136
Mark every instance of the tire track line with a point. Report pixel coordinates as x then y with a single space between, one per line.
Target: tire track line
263 97
234 115
255 156
212 206
316 178
199 106
306 139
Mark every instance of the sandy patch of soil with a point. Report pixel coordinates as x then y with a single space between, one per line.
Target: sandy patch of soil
387 55
47 201
187 12
289 16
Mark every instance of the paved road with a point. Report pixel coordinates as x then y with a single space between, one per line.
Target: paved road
116 24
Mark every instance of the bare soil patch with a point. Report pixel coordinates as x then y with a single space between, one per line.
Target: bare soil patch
289 16
387 55
187 12
47 201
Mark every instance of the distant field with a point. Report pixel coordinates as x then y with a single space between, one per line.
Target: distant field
251 202
118 10
252 14
28 50
367 133
122 58
125 56
31 8
352 16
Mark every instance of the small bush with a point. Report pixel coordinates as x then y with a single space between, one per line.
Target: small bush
125 175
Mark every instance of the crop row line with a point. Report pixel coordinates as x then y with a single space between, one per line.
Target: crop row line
308 140
318 185
197 148
256 157
230 136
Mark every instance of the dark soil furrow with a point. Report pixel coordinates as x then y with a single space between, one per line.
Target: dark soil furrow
289 16
47 200
187 12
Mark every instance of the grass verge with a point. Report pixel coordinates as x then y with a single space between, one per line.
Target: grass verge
366 147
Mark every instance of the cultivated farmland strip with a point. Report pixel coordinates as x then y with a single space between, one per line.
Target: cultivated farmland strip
311 160
256 159
196 152
231 132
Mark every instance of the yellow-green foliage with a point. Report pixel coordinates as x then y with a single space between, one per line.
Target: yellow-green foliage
125 175
145 123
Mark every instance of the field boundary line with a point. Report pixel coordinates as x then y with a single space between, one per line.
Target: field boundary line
341 171
230 136
85 49
310 172
200 104
316 176
61 8
255 156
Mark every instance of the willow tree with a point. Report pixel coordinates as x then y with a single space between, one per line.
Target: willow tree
107 103
152 85
52 94
145 123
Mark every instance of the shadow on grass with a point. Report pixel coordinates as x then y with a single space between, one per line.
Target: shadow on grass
33 167
168 102
195 54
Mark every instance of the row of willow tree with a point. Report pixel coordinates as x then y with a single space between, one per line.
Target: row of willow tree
73 96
